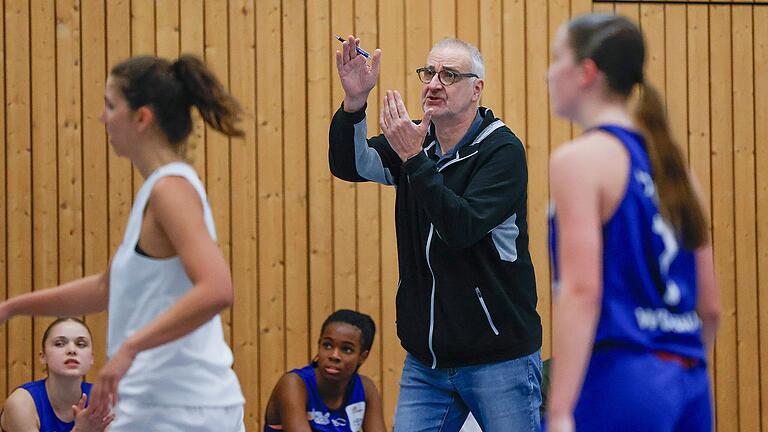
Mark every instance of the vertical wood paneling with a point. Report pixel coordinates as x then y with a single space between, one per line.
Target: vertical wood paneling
760 18
18 183
269 129
443 18
491 48
726 355
675 62
537 143
119 169
344 193
45 263
321 71
191 29
745 223
368 214
301 244
297 338
514 85
394 75
4 339
217 148
95 159
245 252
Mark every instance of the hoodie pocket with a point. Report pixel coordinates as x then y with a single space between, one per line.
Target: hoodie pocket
485 309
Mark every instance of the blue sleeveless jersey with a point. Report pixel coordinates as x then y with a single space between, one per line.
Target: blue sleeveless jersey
649 278
48 420
349 418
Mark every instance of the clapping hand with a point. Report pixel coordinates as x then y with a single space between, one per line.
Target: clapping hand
91 419
357 76
404 136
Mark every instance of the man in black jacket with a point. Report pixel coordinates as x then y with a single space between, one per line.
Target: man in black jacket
466 302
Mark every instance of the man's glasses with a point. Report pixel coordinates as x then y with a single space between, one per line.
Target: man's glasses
446 77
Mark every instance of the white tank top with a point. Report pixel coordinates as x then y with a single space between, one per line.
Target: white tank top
195 370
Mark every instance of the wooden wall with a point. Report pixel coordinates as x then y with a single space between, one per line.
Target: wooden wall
301 243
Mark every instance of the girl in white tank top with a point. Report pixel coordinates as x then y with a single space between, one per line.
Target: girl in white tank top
169 367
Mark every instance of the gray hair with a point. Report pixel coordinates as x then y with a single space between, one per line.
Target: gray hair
478 66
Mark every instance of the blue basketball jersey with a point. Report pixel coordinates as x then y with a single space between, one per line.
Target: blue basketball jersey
349 418
49 422
649 278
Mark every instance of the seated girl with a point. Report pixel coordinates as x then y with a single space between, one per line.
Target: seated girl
57 403
328 395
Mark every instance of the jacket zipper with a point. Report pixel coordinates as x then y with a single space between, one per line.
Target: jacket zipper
432 299
485 309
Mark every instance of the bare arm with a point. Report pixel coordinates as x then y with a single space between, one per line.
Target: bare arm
374 415
178 210
79 297
19 413
291 397
577 306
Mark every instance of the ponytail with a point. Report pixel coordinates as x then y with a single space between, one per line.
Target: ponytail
171 89
678 201
217 107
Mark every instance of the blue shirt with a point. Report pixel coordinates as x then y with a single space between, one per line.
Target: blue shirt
348 418
473 128
649 278
48 420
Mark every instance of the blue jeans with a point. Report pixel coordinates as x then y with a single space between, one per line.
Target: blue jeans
502 396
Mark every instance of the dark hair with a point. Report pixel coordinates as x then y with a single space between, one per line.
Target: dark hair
170 90
50 327
360 320
617 47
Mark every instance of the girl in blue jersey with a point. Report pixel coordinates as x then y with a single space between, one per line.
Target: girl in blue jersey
328 395
57 403
637 306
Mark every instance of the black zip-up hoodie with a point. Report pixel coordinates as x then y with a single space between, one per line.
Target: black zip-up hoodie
467 292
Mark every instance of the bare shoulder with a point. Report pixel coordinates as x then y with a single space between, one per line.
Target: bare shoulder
174 190
19 412
587 157
290 385
368 384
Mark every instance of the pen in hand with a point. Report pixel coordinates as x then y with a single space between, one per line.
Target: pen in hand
360 51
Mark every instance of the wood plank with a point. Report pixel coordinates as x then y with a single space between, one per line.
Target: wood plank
344 193
442 19
19 183
675 72
537 143
217 154
4 339
515 107
652 25
299 344
761 183
319 51
468 21
95 163
629 10
745 217
45 229
394 74
721 108
559 133
119 169
70 147
269 158
167 29
368 218
245 252
580 7
192 39
491 47
603 7
142 43
417 24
